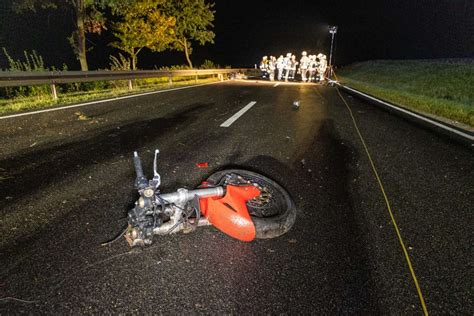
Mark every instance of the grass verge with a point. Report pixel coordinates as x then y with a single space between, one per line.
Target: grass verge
108 90
441 87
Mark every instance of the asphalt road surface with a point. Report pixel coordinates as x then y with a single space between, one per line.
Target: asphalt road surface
67 183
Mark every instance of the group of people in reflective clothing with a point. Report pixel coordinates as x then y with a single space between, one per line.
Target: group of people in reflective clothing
311 68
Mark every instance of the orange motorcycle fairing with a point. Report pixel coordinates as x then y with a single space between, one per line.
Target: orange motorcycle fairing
229 213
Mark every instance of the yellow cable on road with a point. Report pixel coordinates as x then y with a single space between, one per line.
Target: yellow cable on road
397 230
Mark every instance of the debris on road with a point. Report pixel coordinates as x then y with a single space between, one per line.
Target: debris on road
81 116
4 175
202 164
296 104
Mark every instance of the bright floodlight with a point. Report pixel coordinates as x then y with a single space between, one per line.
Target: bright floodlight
333 29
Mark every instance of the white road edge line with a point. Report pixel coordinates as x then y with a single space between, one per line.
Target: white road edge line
104 101
276 84
414 114
234 117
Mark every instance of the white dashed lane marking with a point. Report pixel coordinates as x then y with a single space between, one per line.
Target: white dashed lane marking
235 117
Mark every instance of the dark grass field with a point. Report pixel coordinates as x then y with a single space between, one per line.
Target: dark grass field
442 87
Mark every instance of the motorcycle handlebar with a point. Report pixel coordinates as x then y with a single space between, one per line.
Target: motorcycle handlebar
183 196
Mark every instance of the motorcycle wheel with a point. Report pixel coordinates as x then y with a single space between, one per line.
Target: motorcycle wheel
273 212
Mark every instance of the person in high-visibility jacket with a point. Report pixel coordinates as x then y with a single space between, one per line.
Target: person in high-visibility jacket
280 65
293 65
304 64
287 65
264 66
271 68
312 67
323 66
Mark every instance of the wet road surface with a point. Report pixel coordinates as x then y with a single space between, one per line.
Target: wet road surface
67 183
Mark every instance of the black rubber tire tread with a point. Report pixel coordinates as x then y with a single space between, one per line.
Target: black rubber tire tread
266 227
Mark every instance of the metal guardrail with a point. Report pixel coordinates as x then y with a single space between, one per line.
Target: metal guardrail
15 79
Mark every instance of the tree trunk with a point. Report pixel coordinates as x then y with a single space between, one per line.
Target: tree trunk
134 61
186 52
134 55
81 36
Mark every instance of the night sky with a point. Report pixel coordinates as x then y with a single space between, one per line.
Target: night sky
246 30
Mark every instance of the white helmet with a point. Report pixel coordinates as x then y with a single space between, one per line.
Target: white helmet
304 53
319 55
265 57
288 55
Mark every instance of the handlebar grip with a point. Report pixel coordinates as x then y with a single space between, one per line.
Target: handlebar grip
138 165
141 180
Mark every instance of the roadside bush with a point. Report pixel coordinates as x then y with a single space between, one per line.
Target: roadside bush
86 86
119 63
174 67
209 64
32 62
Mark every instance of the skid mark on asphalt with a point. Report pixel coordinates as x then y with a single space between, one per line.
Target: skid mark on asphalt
236 116
389 208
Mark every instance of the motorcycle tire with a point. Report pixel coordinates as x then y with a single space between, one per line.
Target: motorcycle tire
273 212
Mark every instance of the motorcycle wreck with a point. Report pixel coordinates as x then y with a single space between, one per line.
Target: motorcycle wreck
242 204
